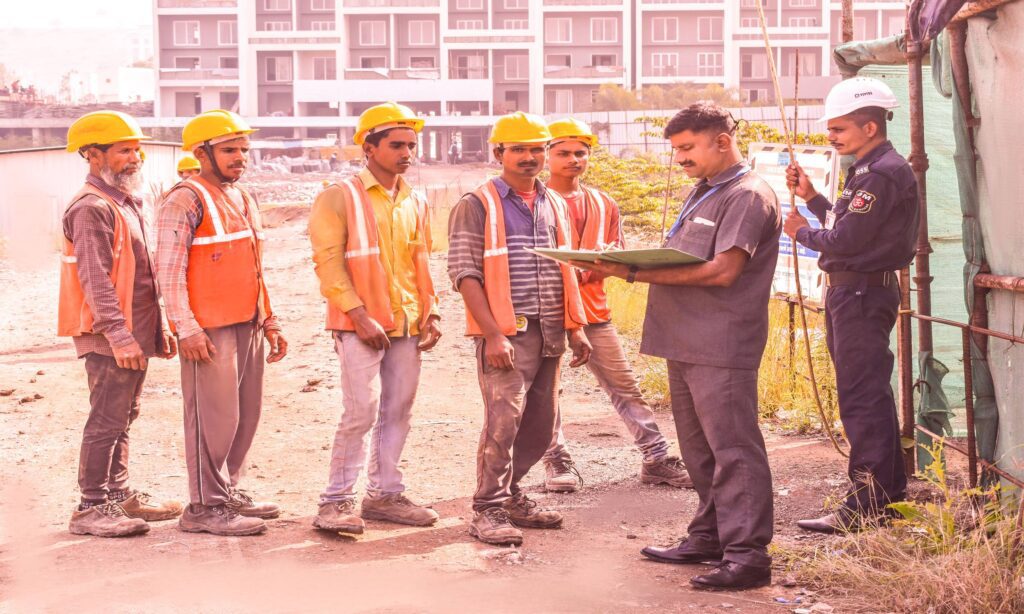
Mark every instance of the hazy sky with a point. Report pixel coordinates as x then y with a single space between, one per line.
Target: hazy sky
76 13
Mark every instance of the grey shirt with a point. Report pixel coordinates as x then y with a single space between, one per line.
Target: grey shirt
720 327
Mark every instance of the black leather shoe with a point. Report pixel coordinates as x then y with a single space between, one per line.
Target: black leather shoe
730 576
682 553
831 523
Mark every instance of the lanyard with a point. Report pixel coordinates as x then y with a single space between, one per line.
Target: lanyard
689 207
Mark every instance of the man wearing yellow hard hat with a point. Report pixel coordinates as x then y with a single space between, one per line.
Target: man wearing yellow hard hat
520 309
594 216
109 305
210 267
188 166
371 241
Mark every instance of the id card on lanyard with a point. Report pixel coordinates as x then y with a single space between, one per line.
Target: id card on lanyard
689 206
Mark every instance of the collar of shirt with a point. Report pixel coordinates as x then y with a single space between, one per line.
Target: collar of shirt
873 155
504 189
727 175
369 182
117 195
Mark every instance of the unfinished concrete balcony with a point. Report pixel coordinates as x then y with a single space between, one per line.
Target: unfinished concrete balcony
198 5
598 73
368 4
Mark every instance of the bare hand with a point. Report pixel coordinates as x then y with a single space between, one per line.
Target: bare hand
799 183
197 348
278 345
580 347
168 347
430 334
793 223
130 356
602 268
498 352
369 330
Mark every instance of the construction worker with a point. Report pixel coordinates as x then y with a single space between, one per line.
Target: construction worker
209 263
520 309
709 320
109 305
595 225
188 166
867 236
371 241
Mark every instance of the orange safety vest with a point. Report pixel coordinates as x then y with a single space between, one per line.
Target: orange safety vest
497 280
225 271
599 210
74 316
362 260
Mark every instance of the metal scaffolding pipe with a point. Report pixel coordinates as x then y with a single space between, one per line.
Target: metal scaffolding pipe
999 282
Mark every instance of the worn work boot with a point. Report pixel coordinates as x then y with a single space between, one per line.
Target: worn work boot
396 507
562 476
218 520
242 503
492 526
339 516
138 504
524 512
105 520
666 470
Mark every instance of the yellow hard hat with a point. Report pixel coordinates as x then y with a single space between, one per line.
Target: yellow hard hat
103 128
212 125
571 128
188 163
519 127
384 117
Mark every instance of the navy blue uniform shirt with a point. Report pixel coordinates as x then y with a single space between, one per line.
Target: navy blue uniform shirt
875 218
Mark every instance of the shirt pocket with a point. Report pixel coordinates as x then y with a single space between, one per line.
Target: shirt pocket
696 239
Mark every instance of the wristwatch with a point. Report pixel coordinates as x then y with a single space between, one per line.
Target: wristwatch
632 274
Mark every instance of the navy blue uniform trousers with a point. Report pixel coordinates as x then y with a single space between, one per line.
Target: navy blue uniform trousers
859 320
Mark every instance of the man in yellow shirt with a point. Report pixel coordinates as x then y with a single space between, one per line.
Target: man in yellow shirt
371 240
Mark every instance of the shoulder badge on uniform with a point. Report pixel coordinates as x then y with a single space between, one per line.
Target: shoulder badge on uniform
862 201
862 170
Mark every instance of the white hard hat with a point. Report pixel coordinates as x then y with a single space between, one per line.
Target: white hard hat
856 93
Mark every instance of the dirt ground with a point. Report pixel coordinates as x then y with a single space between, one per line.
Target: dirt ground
592 565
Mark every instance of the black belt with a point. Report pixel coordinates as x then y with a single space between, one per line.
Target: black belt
852 278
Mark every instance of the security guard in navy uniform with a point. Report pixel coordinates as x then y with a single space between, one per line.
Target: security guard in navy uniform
867 236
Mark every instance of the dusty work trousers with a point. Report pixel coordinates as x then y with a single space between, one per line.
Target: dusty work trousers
378 390
715 410
113 406
223 402
609 365
858 322
519 416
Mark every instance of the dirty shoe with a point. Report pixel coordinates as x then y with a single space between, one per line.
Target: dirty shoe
562 476
219 520
339 516
396 507
492 526
242 503
524 512
666 470
138 504
105 520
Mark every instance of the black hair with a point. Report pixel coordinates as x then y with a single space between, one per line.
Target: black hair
702 116
872 114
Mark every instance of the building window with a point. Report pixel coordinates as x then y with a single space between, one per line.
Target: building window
229 61
321 26
561 101
515 5
186 63
756 95
749 4
750 22
803 22
469 24
277 26
604 59
664 64
373 33
516 24
896 25
278 69
277 5
517 67
469 5
373 61
860 28
710 65
557 61
424 61
325 68
421 33
808 64
558 30
227 33
604 30
803 4
755 67
470 67
186 33
709 29
321 5
665 30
